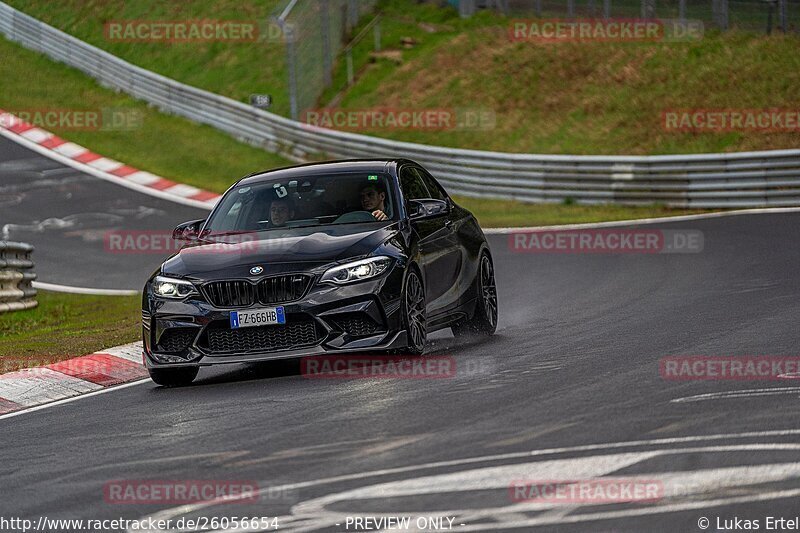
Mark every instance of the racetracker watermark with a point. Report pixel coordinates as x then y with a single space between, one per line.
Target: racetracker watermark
161 242
729 368
612 29
29 364
90 365
607 241
369 367
181 31
725 120
150 491
103 119
399 119
586 491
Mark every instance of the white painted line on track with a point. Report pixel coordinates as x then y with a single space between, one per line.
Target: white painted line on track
311 515
638 221
741 393
676 484
194 507
83 290
74 398
628 513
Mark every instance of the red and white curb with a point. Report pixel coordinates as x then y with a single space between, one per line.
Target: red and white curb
31 387
83 159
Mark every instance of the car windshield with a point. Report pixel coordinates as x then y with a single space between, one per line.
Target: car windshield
320 200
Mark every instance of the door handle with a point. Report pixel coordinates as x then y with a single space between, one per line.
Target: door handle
448 223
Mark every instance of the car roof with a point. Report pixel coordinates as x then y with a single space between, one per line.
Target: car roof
325 167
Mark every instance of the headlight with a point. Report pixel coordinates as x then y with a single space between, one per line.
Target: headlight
172 288
357 270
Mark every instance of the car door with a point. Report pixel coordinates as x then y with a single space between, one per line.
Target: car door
434 235
452 253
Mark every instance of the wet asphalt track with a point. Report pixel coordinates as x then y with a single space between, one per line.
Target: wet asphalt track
574 364
73 218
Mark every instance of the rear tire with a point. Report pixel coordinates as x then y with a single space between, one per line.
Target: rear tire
173 377
484 321
414 314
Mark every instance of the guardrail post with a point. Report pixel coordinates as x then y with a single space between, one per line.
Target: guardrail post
16 277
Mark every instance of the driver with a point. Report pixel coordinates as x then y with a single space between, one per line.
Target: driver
372 198
280 212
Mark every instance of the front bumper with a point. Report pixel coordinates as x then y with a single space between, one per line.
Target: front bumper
361 317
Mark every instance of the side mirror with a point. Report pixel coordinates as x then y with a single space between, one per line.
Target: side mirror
187 231
427 208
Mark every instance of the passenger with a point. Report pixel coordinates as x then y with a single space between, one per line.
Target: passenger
372 198
281 211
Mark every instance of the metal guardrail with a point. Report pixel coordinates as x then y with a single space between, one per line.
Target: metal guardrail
16 277
750 179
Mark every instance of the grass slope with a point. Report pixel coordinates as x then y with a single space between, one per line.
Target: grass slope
578 98
202 156
65 326
166 145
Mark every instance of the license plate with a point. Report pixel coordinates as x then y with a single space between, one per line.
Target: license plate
266 316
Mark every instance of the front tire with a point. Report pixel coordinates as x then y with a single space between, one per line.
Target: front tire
484 322
173 377
414 313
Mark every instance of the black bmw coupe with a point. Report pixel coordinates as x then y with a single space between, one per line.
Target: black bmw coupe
325 258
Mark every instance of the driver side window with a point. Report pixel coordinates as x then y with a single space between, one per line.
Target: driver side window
412 185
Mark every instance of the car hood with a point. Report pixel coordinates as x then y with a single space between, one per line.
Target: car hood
276 251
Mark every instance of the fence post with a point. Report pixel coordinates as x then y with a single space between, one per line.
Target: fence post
291 66
648 9
538 8
720 13
784 14
607 9
325 32
682 10
724 6
350 75
770 9
352 14
571 8
466 8
376 31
